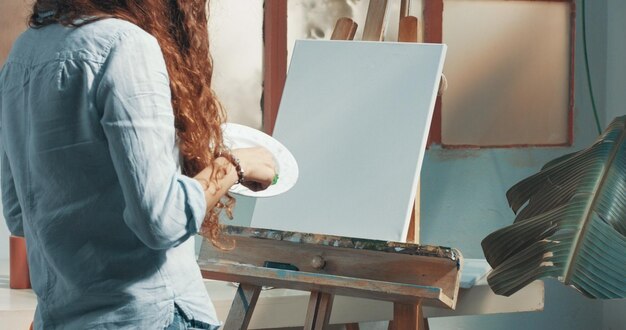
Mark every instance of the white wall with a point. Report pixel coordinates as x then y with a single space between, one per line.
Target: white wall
235 29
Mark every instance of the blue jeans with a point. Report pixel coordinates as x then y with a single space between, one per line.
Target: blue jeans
181 322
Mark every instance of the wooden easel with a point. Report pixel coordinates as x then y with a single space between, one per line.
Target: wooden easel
345 29
404 273
407 274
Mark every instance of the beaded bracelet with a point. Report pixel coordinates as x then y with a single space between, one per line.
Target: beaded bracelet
235 161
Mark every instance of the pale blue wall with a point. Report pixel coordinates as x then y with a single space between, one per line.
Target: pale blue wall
463 190
614 316
616 59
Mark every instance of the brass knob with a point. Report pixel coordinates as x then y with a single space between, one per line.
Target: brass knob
318 262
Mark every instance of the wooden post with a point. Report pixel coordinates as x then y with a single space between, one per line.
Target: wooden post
405 8
274 60
407 316
433 32
318 312
408 29
243 305
413 234
375 21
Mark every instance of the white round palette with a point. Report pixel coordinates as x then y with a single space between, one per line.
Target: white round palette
240 136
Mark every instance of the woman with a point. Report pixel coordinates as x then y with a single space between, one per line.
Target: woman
100 102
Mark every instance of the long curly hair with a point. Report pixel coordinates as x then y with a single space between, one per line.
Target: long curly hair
181 28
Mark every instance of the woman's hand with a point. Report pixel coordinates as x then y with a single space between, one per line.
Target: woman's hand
259 167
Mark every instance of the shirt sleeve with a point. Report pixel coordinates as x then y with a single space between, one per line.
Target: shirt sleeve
163 207
11 208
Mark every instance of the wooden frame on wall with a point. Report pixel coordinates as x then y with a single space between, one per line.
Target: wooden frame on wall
275 64
433 32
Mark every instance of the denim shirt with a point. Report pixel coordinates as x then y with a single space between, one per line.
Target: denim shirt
91 178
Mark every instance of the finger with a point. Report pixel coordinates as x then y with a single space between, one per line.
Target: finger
275 179
255 186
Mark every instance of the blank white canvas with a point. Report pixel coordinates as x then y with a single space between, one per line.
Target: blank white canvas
356 116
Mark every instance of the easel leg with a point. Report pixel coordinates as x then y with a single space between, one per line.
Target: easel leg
242 307
318 312
408 316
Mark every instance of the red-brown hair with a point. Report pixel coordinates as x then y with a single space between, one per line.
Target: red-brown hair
180 27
